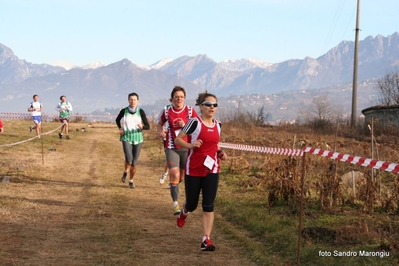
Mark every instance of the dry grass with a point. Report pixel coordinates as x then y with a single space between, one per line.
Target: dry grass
73 209
323 176
266 188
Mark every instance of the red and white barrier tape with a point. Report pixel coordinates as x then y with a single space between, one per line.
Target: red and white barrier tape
371 163
280 151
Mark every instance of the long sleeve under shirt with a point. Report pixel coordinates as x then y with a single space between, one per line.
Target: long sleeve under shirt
133 134
64 109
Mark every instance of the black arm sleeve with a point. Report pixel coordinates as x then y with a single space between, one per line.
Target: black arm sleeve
144 119
119 117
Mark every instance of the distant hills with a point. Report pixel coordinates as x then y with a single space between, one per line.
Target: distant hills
97 86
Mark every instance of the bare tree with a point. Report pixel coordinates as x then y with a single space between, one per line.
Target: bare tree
304 114
388 87
321 110
259 117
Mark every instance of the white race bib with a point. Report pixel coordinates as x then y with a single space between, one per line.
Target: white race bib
209 162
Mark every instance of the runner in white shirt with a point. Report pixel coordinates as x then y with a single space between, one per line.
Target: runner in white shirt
36 108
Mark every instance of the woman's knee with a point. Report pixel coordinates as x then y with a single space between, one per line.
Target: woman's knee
207 208
191 208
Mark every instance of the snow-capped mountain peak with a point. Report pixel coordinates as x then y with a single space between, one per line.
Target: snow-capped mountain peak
161 63
242 64
156 65
94 65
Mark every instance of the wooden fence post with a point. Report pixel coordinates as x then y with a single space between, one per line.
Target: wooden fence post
301 208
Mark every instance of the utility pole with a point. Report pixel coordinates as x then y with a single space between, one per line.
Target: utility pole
355 63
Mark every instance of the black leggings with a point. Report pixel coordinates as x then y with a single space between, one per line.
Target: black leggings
193 186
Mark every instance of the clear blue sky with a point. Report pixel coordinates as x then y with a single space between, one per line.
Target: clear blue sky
83 31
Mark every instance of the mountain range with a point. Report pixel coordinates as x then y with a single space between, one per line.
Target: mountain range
98 86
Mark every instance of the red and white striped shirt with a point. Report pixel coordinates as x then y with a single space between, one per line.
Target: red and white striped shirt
173 116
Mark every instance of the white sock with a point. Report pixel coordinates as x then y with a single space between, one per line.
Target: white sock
205 237
175 203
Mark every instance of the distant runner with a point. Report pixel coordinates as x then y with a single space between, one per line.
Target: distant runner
64 108
36 109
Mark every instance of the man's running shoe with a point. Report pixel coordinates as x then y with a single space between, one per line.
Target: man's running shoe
124 177
162 178
176 210
181 220
131 184
30 129
60 135
207 245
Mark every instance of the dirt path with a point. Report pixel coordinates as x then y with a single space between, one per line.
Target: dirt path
74 210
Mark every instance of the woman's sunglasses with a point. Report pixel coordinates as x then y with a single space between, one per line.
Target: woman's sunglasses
209 104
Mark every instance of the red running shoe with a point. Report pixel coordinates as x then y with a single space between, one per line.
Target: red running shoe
207 245
181 219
